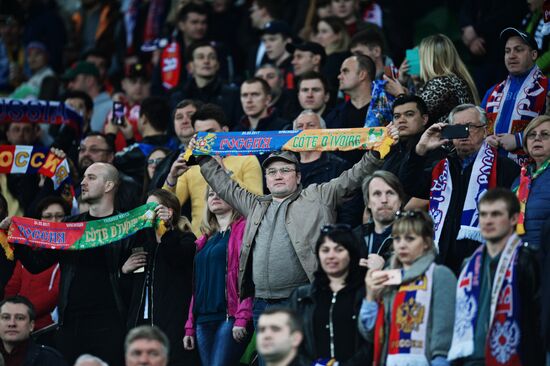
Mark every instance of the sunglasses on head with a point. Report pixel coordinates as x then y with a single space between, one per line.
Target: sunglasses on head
400 214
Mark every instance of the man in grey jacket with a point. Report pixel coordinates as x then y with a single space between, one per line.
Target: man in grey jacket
277 253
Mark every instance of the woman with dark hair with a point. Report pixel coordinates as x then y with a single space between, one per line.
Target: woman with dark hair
160 269
330 305
154 159
41 289
218 319
413 300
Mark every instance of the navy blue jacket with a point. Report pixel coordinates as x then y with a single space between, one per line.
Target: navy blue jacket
537 209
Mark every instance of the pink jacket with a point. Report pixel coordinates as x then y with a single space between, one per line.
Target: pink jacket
240 310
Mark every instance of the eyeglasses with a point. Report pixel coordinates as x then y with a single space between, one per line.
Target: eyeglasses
91 150
543 135
154 161
273 171
52 216
471 125
327 229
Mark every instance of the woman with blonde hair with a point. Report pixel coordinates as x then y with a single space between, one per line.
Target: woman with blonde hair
444 80
413 299
218 320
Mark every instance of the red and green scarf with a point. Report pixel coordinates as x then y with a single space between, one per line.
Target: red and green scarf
79 235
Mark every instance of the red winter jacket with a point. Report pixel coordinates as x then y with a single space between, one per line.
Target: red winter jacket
41 289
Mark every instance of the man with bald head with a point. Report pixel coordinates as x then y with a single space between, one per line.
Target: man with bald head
97 148
91 308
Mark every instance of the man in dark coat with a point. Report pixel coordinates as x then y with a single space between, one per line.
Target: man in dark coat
91 304
420 183
16 345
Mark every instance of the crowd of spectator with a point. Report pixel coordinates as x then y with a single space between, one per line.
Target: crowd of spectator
436 253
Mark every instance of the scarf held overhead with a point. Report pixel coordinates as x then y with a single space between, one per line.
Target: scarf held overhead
503 336
81 235
23 159
256 142
482 178
39 111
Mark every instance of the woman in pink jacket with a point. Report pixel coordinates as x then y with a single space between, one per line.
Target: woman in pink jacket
218 320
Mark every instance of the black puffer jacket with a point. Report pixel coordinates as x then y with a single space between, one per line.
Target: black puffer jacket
304 301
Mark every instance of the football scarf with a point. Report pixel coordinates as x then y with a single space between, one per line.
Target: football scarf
260 142
409 322
482 178
503 337
528 104
23 159
39 111
522 192
82 235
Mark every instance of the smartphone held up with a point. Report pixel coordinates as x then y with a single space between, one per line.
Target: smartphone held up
118 114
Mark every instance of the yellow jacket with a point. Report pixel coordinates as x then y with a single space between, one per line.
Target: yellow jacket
245 170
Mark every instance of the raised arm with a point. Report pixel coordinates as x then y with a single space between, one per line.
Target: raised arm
334 192
229 190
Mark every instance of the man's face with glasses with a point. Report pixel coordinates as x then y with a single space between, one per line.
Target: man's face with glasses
93 149
282 179
471 144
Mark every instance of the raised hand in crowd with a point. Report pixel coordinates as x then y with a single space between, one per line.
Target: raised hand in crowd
374 284
394 87
373 262
178 168
5 224
393 132
431 139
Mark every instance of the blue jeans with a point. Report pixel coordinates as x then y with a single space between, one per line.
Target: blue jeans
261 305
216 344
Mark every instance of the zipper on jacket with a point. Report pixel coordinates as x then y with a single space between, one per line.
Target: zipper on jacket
331 324
152 284
141 299
225 287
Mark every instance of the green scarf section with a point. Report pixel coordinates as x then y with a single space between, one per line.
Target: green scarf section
82 235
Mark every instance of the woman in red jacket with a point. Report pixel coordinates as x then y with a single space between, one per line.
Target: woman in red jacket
41 289
218 319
